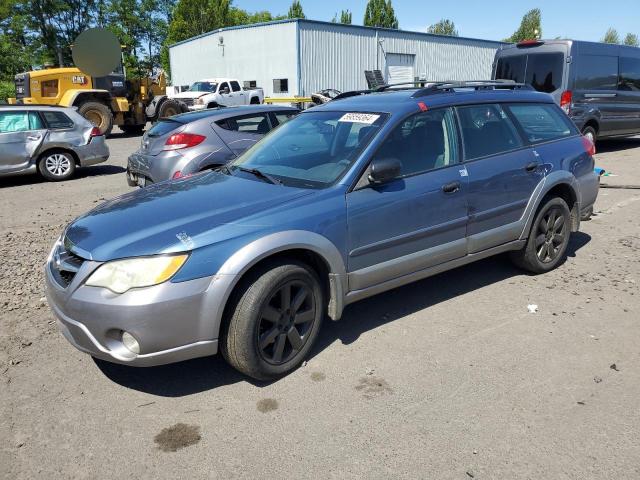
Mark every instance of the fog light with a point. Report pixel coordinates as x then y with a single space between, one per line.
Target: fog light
130 342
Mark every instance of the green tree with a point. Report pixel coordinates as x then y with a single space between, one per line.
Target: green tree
530 27
611 36
345 17
632 40
444 27
295 10
380 13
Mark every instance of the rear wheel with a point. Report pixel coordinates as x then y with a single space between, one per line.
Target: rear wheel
98 114
548 239
275 321
169 108
56 165
255 101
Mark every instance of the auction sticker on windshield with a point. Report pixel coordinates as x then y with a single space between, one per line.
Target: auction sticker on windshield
367 118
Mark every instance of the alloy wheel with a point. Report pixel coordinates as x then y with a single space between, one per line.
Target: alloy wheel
58 164
286 321
550 235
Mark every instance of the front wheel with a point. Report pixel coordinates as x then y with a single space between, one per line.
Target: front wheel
275 321
548 239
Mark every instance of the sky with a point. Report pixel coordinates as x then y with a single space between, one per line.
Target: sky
494 20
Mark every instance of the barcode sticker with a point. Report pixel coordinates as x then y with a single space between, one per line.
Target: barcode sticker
367 118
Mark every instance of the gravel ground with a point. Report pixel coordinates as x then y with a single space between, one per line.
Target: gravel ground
450 377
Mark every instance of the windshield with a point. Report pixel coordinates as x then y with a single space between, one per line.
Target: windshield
203 87
312 150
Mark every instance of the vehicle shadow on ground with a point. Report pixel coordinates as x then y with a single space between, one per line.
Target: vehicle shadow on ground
84 172
617 145
201 374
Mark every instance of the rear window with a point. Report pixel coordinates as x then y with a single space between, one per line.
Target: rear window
596 72
542 122
543 71
163 127
57 120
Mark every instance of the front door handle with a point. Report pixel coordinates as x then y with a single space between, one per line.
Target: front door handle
532 167
451 187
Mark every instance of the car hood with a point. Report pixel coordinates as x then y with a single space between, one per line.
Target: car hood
177 216
189 94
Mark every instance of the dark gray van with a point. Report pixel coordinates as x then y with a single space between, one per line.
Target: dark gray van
597 84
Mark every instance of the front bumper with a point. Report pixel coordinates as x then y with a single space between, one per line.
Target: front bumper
171 321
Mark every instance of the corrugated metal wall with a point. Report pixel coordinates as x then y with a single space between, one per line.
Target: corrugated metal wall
259 53
329 56
335 56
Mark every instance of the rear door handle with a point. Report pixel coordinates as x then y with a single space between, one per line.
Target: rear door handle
451 187
34 137
532 167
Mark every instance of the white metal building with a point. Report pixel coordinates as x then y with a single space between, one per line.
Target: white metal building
299 57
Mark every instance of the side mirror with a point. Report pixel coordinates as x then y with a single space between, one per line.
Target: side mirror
225 91
383 170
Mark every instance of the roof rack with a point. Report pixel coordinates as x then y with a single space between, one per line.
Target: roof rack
442 87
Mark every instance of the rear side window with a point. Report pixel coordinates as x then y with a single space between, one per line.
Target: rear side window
542 122
19 122
487 130
284 117
57 120
235 86
629 74
596 72
257 124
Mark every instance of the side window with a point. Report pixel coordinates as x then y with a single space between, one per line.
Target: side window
423 142
487 130
14 122
629 74
35 122
223 85
541 122
57 120
257 124
235 86
49 88
284 117
596 72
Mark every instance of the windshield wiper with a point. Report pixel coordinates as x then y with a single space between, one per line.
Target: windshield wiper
259 174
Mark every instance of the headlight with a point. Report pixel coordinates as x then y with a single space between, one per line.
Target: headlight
198 101
122 275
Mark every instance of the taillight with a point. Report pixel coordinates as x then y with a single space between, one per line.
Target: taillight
565 100
530 43
178 141
589 146
95 132
178 174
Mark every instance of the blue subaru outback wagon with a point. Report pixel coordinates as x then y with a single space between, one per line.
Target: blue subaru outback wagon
349 199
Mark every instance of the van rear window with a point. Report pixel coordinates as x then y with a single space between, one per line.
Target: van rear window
543 71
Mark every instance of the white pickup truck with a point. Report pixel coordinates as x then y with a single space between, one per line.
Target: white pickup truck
212 92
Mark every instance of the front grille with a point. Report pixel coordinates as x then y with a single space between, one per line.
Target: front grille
64 265
187 101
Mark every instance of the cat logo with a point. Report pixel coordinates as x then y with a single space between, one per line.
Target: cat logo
79 79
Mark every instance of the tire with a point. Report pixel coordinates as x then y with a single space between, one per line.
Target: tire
56 165
169 108
98 114
255 101
132 129
590 133
267 337
213 105
546 246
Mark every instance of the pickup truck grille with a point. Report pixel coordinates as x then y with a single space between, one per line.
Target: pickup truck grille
187 101
64 265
